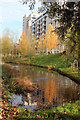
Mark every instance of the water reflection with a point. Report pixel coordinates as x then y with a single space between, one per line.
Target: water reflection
51 89
23 101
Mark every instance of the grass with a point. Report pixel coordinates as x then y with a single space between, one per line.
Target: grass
58 61
47 60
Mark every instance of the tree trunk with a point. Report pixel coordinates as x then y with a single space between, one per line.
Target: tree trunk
79 64
78 53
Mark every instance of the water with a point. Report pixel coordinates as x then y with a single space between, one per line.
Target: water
52 89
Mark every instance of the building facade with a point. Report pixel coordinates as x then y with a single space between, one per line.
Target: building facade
28 19
38 23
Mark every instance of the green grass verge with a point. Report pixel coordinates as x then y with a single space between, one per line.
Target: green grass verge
57 61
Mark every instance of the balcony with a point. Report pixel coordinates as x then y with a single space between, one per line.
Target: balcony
44 28
44 19
33 26
38 27
37 36
38 23
38 31
44 24
43 33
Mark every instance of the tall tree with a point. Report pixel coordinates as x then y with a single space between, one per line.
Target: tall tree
51 38
26 44
69 14
48 41
7 41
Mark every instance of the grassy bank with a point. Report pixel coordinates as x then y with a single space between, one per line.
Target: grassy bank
60 62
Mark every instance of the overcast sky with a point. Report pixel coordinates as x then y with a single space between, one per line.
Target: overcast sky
11 14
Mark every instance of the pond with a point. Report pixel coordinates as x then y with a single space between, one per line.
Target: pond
52 89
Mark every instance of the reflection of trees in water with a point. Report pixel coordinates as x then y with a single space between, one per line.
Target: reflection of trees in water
24 73
55 92
53 88
71 93
48 91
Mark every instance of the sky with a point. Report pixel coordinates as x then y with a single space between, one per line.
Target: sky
11 15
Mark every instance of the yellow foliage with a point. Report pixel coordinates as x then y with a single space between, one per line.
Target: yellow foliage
26 44
50 89
49 40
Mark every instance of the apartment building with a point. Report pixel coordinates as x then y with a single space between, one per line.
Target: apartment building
38 23
28 19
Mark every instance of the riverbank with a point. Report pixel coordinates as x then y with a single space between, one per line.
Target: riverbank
58 62
12 77
68 112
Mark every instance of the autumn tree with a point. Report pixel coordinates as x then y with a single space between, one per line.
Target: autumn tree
0 45
42 45
48 41
69 17
69 24
22 46
51 38
14 51
31 42
27 44
7 42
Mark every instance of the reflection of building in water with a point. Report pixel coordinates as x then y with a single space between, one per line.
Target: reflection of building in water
28 100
